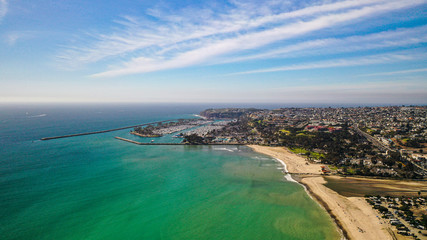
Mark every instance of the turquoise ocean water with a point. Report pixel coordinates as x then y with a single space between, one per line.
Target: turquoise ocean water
97 187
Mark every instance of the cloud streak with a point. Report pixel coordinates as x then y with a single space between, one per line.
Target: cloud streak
176 30
13 37
347 62
381 40
420 70
178 41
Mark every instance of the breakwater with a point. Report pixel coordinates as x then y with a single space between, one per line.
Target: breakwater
209 144
140 143
104 131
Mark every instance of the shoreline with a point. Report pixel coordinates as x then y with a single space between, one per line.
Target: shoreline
343 232
353 216
288 176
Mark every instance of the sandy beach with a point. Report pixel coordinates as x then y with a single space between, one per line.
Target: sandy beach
353 215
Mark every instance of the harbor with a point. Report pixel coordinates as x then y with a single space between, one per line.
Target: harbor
103 131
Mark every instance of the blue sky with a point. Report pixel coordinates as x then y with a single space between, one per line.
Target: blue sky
311 52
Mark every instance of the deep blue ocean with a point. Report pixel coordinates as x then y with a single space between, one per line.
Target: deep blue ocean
97 187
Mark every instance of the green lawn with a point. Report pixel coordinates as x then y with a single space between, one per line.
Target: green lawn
298 150
304 151
285 131
316 155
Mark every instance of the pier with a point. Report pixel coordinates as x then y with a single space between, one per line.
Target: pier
140 143
104 131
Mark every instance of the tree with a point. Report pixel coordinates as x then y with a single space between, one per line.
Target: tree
389 162
194 139
424 220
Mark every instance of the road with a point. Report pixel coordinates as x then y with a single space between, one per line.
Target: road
382 146
372 139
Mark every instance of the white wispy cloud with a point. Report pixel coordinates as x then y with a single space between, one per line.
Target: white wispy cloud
3 9
397 72
13 37
175 31
386 39
181 40
346 62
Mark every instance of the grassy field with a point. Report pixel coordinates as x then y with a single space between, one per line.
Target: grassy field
303 151
305 133
285 131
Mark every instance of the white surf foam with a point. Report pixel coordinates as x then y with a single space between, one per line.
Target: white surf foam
224 149
285 169
290 179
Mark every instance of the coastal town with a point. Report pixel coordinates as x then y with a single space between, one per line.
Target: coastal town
379 146
406 214
370 141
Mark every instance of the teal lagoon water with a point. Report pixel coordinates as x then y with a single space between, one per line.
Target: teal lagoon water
96 187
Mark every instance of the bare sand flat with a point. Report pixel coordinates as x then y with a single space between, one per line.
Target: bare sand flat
359 187
353 215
